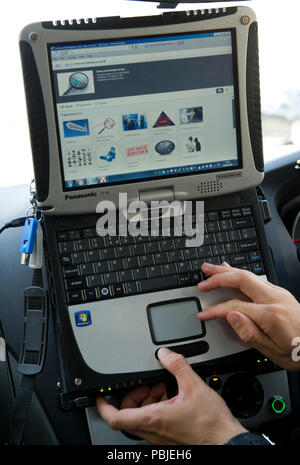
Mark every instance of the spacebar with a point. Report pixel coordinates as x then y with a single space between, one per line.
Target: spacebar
157 284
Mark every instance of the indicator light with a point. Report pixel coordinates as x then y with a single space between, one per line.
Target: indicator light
277 404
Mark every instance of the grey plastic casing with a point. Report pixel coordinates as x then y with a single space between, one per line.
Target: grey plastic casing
197 186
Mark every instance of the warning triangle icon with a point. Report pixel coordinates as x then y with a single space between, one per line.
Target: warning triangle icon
163 120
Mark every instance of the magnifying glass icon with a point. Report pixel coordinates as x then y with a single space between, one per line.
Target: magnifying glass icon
108 124
77 81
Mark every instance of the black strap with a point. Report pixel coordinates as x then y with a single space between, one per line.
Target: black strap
21 407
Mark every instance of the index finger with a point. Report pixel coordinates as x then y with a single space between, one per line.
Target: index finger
250 284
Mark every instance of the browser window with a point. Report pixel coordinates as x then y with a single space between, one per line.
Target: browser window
146 108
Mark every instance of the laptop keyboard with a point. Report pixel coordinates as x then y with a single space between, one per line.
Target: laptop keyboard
97 268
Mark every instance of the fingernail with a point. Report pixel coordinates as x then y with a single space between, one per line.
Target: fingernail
208 266
225 264
233 318
163 352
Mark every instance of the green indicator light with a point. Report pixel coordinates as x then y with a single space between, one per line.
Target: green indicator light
265 359
276 405
101 390
109 388
258 361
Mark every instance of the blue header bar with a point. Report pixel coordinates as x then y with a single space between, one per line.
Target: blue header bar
139 41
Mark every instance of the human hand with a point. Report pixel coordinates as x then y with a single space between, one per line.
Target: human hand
196 415
269 323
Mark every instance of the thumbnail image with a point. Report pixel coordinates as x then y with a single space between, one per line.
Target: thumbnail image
71 84
79 158
134 122
163 121
191 115
193 144
110 155
76 128
137 150
165 147
104 126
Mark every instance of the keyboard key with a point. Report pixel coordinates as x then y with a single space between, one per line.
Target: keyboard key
196 277
118 290
243 222
225 225
175 256
108 254
230 247
131 262
184 267
167 245
101 267
155 271
189 254
238 259
77 258
90 294
146 260
204 252
236 212
66 247
152 247
254 256
234 235
70 271
74 297
63 236
110 278
209 239
74 235
248 233
213 227
158 284
92 255
95 280
169 268
213 216
116 265
217 249
86 269
184 280
140 273
257 268
138 249
247 246
126 275
131 287
66 259
225 214
88 233
82 245
75 283
104 292
221 237
246 211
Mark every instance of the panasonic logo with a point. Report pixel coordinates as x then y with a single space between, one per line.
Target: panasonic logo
80 196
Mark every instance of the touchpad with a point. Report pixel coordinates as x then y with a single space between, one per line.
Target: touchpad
175 320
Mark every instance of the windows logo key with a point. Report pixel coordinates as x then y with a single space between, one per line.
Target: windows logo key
83 318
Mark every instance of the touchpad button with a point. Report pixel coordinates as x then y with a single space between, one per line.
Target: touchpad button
175 320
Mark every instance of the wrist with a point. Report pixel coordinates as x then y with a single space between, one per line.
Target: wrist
249 439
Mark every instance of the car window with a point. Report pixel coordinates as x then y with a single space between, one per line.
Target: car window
280 84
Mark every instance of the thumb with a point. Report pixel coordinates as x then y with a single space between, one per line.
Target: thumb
248 332
178 366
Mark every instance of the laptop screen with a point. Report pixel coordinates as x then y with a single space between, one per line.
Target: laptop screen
147 108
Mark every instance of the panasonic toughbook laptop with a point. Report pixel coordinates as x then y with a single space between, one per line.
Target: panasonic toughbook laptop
161 108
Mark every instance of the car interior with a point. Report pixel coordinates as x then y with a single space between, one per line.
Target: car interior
261 395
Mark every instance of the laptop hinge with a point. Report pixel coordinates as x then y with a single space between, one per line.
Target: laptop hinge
163 193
